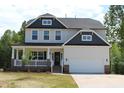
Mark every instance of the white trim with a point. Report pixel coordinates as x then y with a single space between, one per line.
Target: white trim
101 38
23 55
17 54
33 21
72 37
48 53
83 46
86 39
13 50
85 31
61 22
43 20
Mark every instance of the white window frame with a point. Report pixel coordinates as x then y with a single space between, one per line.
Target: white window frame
46 22
58 35
87 38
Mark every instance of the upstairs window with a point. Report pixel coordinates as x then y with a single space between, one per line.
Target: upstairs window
46 22
58 35
34 35
46 35
86 38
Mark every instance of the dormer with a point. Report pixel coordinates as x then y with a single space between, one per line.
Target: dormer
46 21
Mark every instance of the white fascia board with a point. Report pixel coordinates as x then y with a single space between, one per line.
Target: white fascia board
84 46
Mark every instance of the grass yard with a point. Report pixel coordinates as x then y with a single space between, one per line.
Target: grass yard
35 80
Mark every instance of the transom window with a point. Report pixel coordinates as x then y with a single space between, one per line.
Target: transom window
38 55
46 22
46 35
58 35
86 38
34 35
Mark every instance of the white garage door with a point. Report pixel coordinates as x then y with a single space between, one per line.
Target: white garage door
86 59
85 66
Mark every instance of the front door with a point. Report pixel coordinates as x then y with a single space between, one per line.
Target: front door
57 59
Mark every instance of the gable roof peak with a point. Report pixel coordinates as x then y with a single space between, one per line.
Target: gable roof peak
47 15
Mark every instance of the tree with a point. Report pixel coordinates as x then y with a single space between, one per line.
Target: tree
121 34
113 19
6 41
114 22
115 56
21 33
27 58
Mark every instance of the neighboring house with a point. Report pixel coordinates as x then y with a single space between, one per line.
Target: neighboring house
74 45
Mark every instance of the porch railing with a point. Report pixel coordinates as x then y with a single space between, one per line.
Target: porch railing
32 63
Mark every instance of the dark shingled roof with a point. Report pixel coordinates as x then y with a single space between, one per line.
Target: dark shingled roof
76 22
81 23
38 44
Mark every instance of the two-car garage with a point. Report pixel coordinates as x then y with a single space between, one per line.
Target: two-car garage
86 59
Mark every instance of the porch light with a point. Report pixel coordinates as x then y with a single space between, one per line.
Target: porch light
106 60
66 59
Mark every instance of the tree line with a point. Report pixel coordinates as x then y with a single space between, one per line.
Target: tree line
7 40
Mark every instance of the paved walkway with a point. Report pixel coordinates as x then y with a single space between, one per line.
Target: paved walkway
99 81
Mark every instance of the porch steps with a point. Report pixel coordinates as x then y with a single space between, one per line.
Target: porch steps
57 69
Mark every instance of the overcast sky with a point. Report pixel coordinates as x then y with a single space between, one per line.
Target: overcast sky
14 12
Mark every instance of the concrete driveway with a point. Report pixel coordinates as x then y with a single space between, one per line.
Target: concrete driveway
99 81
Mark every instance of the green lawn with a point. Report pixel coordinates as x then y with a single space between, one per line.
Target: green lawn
35 80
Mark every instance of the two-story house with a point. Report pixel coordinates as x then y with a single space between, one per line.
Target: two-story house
74 45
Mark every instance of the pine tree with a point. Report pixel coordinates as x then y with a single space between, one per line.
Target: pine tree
22 32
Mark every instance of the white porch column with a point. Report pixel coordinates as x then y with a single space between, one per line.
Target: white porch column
48 53
13 52
17 54
62 62
23 52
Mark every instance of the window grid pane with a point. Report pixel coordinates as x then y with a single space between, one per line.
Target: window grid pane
86 37
46 35
34 35
58 35
40 56
46 22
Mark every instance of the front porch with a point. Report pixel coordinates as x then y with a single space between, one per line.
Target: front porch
45 58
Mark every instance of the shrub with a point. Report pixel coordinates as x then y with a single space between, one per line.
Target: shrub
115 67
121 67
